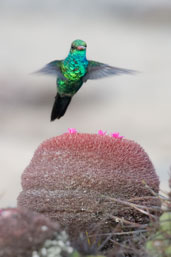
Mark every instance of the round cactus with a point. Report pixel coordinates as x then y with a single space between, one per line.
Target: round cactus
73 177
22 231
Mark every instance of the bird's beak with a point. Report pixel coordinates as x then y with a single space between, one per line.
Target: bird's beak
81 47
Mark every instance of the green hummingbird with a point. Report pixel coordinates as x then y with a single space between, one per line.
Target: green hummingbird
72 72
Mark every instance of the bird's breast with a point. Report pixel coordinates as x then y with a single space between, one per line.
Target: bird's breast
68 87
74 69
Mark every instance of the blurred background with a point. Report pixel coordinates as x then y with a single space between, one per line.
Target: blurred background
131 34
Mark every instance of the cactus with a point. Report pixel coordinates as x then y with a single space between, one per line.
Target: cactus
76 179
22 231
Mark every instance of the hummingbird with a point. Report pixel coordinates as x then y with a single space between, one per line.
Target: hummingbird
72 72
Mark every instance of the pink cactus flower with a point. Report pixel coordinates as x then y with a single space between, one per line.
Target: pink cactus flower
101 132
72 130
116 135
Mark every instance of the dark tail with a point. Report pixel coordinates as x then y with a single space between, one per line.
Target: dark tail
60 105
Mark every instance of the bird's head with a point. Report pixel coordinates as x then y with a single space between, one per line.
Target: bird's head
78 46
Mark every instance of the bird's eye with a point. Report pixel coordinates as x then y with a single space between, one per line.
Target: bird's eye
72 47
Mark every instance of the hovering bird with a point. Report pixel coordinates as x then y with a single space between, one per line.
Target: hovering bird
72 72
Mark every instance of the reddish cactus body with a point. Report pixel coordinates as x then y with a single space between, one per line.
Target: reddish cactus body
71 175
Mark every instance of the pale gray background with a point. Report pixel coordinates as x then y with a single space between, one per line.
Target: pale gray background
132 34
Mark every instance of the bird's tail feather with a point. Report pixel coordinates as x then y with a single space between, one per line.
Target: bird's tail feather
60 105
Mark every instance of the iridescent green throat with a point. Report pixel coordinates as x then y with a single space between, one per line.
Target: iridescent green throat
75 65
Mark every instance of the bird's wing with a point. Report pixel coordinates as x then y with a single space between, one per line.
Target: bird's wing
97 70
52 68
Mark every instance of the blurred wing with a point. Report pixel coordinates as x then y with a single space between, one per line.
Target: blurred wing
97 70
52 68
